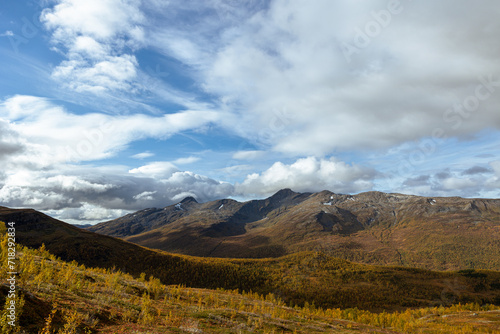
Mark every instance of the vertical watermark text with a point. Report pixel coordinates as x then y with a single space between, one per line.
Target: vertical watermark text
11 273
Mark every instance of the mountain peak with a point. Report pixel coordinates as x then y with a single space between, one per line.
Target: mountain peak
189 199
284 193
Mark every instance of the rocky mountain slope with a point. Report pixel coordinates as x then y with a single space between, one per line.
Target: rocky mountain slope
377 228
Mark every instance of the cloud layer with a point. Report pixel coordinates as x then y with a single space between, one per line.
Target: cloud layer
287 69
281 70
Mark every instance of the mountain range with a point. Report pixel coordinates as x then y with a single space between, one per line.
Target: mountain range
439 233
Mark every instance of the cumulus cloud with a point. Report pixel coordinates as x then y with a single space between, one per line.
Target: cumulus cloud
97 19
94 36
145 195
100 41
193 41
309 174
443 175
493 182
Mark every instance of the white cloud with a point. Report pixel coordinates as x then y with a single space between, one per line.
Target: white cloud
496 167
172 43
248 155
51 134
89 47
94 36
236 171
309 174
86 214
492 182
186 161
397 89
108 73
143 155
278 67
102 20
7 33
160 169
39 141
146 195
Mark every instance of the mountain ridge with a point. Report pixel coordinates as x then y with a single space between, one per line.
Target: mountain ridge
441 233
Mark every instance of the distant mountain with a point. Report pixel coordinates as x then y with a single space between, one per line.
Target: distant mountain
230 216
82 226
311 277
439 233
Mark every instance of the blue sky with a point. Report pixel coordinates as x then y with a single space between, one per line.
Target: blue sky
108 107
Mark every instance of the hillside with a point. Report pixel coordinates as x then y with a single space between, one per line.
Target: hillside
306 277
54 296
373 228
